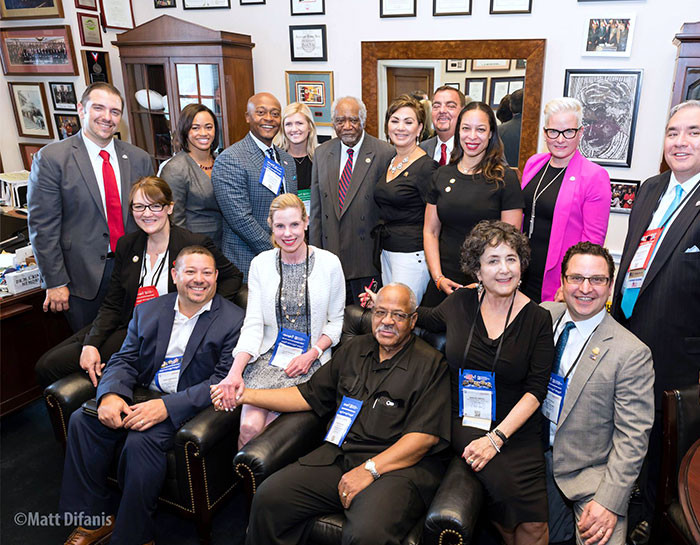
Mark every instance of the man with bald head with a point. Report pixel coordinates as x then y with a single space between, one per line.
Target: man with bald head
246 177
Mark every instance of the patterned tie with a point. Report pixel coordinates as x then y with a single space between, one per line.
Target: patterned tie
115 221
629 297
344 182
443 155
271 155
561 345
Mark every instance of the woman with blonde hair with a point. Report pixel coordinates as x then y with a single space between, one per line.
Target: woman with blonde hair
298 138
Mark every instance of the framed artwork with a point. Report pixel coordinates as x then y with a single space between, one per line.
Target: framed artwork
308 43
501 87
608 37
250 2
27 151
164 4
623 194
27 51
90 31
117 14
510 6
96 66
315 89
31 9
452 7
453 85
397 8
67 125
308 7
206 4
63 95
610 101
476 88
455 65
485 65
86 4
31 109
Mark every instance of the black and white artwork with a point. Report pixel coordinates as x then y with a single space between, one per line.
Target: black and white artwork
610 101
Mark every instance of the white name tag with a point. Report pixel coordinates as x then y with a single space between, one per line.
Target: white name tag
271 176
168 375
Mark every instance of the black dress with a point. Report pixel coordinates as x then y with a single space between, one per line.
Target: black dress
514 479
304 165
462 201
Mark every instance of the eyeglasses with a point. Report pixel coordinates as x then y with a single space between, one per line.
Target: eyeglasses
566 133
593 280
153 207
396 315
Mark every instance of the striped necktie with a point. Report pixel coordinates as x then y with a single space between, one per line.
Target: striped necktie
344 182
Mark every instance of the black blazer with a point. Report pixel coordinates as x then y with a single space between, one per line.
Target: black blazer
666 316
118 306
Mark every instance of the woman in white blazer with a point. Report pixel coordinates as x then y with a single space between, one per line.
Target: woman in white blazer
292 319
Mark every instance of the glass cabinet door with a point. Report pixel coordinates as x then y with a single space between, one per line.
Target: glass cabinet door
200 83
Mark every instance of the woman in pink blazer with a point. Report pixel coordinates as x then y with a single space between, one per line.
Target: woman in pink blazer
567 199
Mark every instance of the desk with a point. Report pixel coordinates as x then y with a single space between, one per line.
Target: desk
689 489
26 332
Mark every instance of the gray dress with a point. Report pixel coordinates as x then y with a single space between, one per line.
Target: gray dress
260 374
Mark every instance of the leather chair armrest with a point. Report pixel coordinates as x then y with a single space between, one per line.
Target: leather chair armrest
455 509
65 396
208 428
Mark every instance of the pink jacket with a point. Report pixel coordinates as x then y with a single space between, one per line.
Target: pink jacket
581 212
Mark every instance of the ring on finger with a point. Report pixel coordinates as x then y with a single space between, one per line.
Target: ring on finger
142 422
345 494
470 461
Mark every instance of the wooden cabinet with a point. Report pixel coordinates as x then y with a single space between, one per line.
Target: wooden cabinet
686 82
183 63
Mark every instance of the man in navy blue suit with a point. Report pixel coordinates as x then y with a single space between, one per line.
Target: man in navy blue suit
176 346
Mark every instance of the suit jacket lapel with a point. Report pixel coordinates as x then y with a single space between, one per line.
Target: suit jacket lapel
363 161
85 165
205 320
125 178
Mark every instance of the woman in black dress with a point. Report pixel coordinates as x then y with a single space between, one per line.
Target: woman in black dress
477 184
497 329
400 197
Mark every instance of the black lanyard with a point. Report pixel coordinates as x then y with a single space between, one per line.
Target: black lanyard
157 272
306 291
583 347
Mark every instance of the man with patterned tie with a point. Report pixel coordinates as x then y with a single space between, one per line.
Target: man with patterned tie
343 177
78 209
657 293
599 406
447 103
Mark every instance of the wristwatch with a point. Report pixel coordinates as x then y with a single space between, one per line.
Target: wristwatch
369 466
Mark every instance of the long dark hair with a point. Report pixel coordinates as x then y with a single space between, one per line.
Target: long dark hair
184 125
493 165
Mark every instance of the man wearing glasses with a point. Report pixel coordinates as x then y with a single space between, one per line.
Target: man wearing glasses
382 458
599 405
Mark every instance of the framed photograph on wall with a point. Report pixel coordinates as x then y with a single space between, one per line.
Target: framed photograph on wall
453 85
27 151
117 14
452 7
486 65
308 7
501 87
455 65
31 109
610 101
623 194
48 50
315 89
608 37
397 8
63 95
158 4
90 31
476 88
308 43
96 66
510 6
67 125
33 9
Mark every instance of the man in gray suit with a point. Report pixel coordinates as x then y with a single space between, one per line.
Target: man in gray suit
510 130
446 105
78 206
600 405
247 176
343 212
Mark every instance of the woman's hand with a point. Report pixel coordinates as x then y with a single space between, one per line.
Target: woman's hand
301 364
226 394
479 452
368 298
448 286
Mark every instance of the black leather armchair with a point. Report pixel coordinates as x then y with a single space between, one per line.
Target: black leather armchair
452 516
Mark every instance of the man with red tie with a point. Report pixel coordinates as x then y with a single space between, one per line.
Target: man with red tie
447 103
77 195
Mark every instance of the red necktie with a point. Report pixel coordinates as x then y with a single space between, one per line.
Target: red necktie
115 222
443 155
344 182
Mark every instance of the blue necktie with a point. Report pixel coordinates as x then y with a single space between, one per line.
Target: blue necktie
629 297
561 346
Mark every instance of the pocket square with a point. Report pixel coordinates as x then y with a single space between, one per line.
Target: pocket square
693 250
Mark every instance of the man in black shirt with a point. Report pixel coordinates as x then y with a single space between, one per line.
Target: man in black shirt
391 389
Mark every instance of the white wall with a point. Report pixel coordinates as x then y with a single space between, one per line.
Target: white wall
350 22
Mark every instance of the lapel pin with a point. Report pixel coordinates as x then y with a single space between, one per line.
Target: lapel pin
285 162
452 180
596 350
448 189
368 160
135 259
405 173
572 178
697 203
124 156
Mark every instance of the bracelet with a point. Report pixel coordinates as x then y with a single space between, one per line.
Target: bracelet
320 352
493 443
501 436
439 279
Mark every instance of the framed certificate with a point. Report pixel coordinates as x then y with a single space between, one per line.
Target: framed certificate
117 14
90 31
397 8
511 6
308 7
308 43
452 7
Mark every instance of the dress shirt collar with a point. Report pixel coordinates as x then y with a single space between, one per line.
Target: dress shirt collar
344 149
373 351
179 316
261 145
584 327
687 186
94 150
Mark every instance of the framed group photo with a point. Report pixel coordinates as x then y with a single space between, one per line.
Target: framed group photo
96 66
31 9
308 43
67 125
27 51
164 4
609 37
315 89
623 194
307 7
63 95
610 101
31 109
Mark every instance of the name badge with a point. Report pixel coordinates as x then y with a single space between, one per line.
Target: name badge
342 422
305 196
556 390
477 398
271 175
289 345
168 375
145 293
641 258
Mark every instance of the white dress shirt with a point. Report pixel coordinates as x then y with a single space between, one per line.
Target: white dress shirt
438 149
344 153
97 161
148 273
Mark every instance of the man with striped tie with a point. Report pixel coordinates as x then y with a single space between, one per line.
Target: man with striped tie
343 177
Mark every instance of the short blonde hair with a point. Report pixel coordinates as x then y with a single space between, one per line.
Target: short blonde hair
282 202
563 104
281 139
